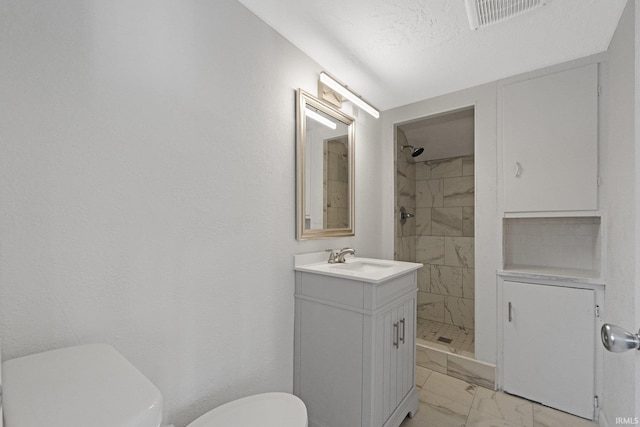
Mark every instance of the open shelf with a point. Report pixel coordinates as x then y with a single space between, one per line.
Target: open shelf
558 247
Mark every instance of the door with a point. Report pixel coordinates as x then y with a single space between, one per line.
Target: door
549 346
398 355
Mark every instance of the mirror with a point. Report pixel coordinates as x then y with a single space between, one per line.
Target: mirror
324 164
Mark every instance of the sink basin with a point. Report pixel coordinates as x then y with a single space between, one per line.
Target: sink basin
355 268
362 266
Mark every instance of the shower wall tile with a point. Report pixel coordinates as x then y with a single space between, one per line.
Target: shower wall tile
423 171
337 217
441 194
338 193
468 166
429 193
430 306
459 251
468 283
468 221
409 227
431 359
430 249
458 191
405 249
446 221
405 185
446 280
484 375
423 222
459 312
446 168
424 278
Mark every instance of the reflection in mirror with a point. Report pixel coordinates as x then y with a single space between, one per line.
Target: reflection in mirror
325 140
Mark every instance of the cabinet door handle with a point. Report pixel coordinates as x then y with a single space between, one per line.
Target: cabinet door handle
518 169
395 335
510 318
402 337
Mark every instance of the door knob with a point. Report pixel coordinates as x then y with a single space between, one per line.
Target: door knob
617 340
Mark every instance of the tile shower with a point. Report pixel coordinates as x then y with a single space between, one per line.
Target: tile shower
440 194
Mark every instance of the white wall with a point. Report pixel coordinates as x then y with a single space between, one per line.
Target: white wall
147 197
487 256
637 191
619 185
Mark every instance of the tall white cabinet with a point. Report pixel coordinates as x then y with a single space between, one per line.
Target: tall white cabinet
552 252
354 353
549 133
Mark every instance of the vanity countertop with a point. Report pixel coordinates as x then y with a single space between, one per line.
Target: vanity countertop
355 268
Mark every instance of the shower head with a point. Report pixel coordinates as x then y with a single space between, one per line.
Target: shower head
415 152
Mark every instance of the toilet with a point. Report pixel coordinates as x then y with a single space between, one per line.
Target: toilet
94 385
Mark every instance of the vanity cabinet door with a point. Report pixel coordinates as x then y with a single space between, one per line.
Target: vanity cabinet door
398 338
549 345
549 128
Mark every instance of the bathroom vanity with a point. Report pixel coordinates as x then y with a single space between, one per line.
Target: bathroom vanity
354 356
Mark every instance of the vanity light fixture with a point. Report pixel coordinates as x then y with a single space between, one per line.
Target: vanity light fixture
318 118
331 83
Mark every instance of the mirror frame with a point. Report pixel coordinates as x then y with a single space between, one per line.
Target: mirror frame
302 100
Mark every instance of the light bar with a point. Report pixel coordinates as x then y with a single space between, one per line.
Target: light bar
318 118
333 84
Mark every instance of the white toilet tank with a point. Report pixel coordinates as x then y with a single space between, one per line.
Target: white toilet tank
87 385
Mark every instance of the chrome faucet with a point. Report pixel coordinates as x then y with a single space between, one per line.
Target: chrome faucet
342 252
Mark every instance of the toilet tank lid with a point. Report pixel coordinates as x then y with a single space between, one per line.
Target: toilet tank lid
86 385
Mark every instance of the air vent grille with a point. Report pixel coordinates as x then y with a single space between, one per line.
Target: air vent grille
486 12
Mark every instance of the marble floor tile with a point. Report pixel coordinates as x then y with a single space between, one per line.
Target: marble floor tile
443 388
544 416
428 417
462 339
422 374
449 402
482 419
504 406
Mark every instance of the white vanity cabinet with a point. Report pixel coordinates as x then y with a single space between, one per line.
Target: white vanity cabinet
354 352
548 127
549 334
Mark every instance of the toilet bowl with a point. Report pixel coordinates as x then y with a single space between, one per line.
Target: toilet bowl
94 385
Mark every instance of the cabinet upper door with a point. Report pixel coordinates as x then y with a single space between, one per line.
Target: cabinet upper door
550 142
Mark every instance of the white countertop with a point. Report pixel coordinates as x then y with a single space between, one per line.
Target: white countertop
355 268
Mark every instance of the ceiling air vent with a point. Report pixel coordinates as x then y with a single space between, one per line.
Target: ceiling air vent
486 12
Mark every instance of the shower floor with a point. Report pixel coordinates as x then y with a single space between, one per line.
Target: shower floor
453 339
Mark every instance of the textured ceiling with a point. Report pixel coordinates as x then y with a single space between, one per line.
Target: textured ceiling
396 52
